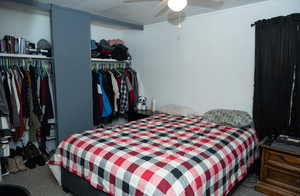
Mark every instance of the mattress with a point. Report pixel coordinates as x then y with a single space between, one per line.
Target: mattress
160 155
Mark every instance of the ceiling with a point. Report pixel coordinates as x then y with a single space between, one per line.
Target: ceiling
138 13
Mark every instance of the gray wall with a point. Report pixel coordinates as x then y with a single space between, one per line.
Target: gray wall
71 50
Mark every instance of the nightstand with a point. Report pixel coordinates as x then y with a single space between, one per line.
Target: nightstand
280 170
139 114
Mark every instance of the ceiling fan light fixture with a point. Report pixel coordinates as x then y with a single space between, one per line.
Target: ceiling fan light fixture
177 5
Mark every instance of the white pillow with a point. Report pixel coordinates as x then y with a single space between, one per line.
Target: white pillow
177 110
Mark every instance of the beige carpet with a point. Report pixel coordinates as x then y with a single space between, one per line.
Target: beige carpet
40 182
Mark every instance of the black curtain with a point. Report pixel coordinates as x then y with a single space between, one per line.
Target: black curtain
275 61
295 118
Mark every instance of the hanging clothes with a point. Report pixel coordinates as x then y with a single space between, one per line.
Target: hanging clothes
4 110
15 115
123 95
3 103
50 82
108 88
19 130
106 104
26 100
97 100
34 123
115 92
34 79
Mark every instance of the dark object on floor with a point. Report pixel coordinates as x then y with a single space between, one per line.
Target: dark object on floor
30 164
31 151
39 160
279 173
13 190
19 151
33 156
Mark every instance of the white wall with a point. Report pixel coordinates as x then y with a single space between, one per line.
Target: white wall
24 22
33 25
207 64
99 31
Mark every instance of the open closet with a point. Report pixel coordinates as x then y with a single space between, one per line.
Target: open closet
114 80
28 131
52 96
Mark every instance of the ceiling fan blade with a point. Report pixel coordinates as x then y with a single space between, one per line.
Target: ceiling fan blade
163 3
162 11
138 1
214 4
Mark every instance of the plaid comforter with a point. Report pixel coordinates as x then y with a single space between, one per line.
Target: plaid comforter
160 155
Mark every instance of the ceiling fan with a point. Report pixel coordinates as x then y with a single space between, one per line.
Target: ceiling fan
169 6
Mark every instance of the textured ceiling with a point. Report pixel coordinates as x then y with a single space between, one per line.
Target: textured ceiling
138 13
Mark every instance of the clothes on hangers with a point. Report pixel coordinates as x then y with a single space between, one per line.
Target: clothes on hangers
26 100
123 95
4 110
115 92
106 111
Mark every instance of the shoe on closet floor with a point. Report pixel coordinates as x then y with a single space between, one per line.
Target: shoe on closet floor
33 162
31 151
19 152
30 163
40 160
4 166
20 163
12 166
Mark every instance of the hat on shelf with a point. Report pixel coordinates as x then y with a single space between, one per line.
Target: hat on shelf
44 47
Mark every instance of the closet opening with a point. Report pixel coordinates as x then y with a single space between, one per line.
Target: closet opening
28 131
115 85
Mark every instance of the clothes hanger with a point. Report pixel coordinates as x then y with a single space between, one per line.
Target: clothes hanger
93 66
1 64
38 69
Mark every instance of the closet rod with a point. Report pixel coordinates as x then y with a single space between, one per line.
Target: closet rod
25 56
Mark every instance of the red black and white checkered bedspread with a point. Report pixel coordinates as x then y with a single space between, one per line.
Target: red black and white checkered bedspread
160 155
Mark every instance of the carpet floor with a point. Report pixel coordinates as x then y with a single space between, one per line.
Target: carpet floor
40 182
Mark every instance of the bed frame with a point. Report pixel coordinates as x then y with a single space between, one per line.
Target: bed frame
72 183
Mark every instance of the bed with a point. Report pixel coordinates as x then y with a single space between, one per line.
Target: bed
160 155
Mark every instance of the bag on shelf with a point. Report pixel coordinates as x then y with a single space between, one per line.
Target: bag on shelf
120 52
2 46
105 49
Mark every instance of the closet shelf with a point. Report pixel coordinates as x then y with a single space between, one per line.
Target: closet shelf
29 56
108 60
